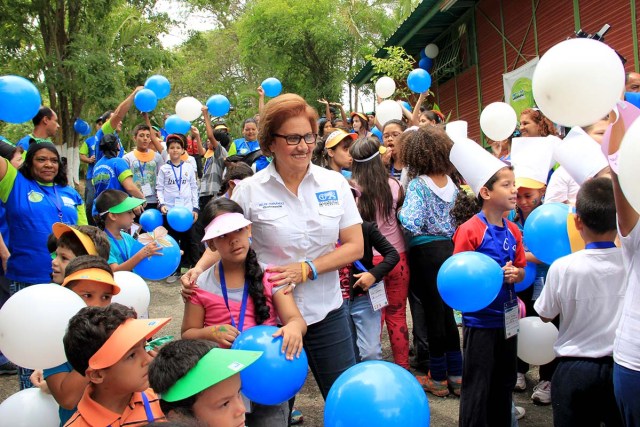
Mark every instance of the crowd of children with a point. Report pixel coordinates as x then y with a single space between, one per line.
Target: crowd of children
424 192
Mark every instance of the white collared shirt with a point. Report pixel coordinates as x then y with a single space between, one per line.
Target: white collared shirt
288 228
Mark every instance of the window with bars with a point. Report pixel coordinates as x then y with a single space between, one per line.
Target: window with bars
455 51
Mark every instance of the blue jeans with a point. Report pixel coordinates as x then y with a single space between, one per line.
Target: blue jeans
329 348
366 327
626 386
23 373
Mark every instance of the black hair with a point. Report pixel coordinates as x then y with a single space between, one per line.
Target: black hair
177 137
105 201
373 179
249 120
222 136
140 127
236 170
172 362
42 113
25 168
110 146
52 243
319 155
252 270
403 125
84 262
98 237
89 329
322 122
70 241
596 206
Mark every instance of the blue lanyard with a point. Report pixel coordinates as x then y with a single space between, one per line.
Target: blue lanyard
141 166
600 245
245 298
178 181
55 201
123 254
510 249
147 408
207 164
360 266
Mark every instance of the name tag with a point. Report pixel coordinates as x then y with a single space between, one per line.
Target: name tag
511 319
146 190
179 201
378 296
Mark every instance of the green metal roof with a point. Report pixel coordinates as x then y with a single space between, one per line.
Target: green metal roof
421 27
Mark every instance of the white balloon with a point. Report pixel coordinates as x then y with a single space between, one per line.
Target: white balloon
628 161
385 87
388 110
28 408
498 121
578 81
188 108
134 292
33 322
535 341
431 50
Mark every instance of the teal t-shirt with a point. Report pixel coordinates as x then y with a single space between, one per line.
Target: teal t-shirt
64 414
121 250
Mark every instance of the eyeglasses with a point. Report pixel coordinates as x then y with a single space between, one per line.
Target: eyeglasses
309 138
391 135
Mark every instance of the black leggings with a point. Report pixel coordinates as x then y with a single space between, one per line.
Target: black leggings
425 262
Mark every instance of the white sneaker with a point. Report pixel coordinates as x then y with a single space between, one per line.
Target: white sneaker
542 393
519 412
521 383
173 278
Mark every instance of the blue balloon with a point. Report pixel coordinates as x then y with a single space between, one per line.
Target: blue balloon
407 106
272 87
19 99
151 219
545 232
145 100
81 127
158 267
376 394
272 379
632 98
426 63
423 54
419 80
218 105
469 281
159 85
180 218
174 124
530 272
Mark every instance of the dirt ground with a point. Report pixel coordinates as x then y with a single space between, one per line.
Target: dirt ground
166 301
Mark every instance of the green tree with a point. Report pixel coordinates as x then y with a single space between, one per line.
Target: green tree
84 54
300 42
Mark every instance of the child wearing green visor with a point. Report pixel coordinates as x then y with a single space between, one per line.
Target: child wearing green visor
196 380
115 214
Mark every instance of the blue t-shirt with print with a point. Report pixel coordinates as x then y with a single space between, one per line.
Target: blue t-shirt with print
31 210
121 250
109 173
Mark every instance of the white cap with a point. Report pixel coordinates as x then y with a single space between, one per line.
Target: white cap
475 163
531 159
580 155
456 130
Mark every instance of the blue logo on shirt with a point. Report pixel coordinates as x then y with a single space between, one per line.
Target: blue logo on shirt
327 196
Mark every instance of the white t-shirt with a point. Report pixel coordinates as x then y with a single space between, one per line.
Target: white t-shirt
171 194
561 188
587 290
288 228
626 350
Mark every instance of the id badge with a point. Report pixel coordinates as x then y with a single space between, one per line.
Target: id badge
146 190
378 296
511 319
179 201
537 288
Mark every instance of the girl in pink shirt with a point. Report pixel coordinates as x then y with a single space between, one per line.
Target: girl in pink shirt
234 294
